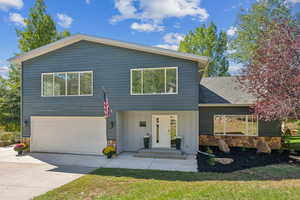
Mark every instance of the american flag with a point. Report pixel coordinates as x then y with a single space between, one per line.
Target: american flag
106 107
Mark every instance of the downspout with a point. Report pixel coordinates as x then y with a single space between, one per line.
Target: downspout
21 101
200 72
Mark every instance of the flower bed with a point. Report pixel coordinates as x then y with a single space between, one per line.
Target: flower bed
237 159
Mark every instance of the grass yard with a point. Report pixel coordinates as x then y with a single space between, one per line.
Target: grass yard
295 143
271 182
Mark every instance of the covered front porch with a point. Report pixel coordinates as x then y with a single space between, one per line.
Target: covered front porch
162 128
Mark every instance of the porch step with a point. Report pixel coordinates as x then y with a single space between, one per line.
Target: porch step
161 153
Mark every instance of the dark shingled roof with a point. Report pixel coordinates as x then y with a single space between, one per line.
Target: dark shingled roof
223 90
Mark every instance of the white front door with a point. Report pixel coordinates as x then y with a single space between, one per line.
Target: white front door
161 136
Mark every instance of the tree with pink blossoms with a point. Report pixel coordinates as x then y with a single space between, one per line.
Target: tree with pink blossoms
273 75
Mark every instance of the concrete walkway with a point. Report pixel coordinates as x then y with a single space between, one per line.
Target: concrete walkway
36 173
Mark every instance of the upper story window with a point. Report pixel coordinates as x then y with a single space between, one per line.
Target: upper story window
239 125
67 84
147 81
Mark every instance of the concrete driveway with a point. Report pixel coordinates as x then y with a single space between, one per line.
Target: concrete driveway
36 173
28 176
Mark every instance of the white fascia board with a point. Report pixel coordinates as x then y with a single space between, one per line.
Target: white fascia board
202 60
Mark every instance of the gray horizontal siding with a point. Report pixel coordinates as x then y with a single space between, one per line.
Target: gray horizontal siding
111 69
206 122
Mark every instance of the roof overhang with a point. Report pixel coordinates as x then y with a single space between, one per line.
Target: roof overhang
202 60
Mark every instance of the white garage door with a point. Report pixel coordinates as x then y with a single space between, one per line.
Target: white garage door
78 135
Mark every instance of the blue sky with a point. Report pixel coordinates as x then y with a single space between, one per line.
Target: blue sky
159 23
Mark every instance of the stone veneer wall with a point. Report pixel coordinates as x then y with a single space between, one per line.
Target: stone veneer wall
239 141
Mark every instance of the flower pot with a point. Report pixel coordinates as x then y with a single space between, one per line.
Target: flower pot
146 142
109 156
20 153
178 143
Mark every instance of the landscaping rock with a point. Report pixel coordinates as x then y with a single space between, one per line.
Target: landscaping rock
263 147
223 146
224 161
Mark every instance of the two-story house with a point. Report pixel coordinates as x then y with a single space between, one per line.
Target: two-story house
151 91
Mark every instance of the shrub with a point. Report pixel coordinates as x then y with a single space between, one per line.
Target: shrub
10 138
211 161
209 150
243 149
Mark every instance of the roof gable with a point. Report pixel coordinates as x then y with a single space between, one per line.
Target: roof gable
202 60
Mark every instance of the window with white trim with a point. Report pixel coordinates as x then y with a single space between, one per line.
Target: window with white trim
147 81
67 84
239 125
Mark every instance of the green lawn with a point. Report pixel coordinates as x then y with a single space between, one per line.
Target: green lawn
272 182
294 142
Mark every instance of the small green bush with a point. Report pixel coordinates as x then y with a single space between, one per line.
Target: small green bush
9 138
211 161
209 150
244 149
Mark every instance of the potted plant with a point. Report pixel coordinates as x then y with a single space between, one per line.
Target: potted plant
109 151
20 148
147 141
178 141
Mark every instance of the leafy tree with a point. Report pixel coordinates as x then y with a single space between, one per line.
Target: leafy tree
273 74
255 23
40 29
206 41
10 100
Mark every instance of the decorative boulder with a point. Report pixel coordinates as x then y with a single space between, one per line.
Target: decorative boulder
223 146
263 147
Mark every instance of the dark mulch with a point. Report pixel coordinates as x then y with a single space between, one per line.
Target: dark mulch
240 159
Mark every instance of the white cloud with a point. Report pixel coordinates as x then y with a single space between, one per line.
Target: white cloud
87 1
17 19
232 31
146 27
65 21
4 71
172 41
8 4
158 10
126 9
168 46
173 38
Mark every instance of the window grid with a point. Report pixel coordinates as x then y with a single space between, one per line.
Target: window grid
66 83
